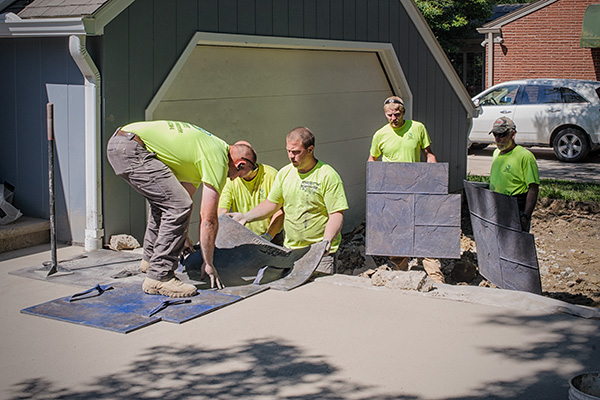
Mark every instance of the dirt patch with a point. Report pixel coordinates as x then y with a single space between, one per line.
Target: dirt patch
567 238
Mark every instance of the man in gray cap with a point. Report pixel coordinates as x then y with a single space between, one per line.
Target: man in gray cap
514 170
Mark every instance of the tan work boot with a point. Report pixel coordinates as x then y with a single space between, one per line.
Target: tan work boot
144 266
171 288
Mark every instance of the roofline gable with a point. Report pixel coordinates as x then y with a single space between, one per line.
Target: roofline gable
495 25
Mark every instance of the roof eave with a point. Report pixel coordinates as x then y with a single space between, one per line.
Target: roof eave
13 26
498 23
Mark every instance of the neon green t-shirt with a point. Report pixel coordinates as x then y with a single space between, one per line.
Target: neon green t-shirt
193 154
513 172
402 144
240 195
308 199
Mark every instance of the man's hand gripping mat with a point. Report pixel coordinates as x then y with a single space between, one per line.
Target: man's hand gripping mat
245 261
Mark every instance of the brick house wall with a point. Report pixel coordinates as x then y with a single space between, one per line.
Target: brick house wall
545 44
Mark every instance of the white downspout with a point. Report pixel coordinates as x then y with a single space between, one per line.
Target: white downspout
490 57
94 231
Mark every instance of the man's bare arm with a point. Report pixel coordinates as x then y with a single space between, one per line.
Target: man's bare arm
263 210
429 156
333 227
209 225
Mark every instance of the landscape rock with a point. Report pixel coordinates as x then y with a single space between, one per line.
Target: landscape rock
123 242
405 280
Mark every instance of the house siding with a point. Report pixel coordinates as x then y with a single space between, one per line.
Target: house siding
33 72
545 44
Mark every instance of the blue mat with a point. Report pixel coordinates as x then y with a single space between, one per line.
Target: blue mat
125 307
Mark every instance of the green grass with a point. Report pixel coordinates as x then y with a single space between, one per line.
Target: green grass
559 190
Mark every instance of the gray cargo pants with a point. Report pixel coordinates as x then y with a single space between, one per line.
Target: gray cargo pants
170 204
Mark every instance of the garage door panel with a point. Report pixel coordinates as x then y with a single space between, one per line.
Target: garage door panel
224 72
332 117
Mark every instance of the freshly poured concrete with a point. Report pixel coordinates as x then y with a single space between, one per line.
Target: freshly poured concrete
333 338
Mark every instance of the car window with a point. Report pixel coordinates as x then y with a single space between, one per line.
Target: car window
549 94
569 96
529 95
500 96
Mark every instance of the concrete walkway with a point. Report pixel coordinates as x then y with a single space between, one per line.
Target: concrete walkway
334 338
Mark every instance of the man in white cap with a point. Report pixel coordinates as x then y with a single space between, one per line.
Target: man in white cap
514 170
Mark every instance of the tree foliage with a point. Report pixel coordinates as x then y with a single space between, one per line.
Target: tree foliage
452 21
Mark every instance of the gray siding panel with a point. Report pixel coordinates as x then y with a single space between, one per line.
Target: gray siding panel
208 15
384 21
164 41
34 72
8 123
121 203
264 17
281 23
323 20
360 20
349 19
228 16
186 22
336 15
296 8
310 18
247 17
32 158
372 21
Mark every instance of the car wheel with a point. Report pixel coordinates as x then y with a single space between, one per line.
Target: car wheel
571 145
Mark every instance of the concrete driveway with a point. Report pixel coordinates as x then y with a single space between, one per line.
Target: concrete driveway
335 338
480 161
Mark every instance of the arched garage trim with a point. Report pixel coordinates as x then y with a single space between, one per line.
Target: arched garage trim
385 52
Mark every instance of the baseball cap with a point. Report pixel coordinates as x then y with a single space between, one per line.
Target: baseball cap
503 124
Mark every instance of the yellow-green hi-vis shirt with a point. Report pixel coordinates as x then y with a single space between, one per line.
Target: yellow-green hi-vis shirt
403 144
512 173
193 154
240 195
308 199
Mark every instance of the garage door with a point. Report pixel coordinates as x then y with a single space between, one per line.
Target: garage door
260 94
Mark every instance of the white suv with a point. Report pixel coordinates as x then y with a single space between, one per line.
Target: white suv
559 113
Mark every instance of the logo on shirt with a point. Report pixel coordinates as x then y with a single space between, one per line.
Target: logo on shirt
506 169
310 187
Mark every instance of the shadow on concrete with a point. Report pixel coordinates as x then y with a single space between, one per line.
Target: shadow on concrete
259 369
567 343
271 368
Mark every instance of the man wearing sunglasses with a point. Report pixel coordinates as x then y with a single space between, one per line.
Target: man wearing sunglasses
166 162
242 195
514 171
403 141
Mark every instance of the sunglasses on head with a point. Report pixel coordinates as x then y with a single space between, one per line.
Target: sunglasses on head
388 101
